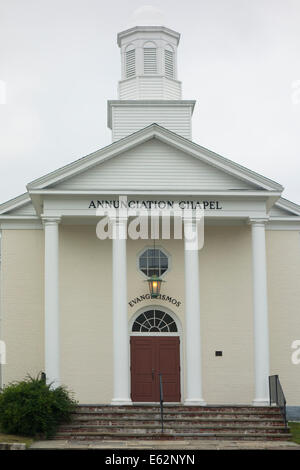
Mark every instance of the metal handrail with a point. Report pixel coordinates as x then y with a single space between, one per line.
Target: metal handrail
277 395
161 400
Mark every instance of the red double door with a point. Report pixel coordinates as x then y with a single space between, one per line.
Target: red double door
151 356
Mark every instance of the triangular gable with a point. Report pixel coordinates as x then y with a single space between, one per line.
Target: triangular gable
154 165
285 208
27 209
19 206
164 135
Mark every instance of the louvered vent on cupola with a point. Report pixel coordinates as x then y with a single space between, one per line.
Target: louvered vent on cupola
130 63
169 63
150 59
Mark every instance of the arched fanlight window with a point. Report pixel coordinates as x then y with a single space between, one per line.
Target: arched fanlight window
130 61
169 62
150 59
154 321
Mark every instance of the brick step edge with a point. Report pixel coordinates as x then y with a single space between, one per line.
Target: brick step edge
95 427
251 409
157 430
177 413
192 420
219 436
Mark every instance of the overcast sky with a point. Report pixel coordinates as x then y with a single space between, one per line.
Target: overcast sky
60 63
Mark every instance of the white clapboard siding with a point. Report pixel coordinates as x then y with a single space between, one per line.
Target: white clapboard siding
153 165
128 89
172 89
26 209
129 119
149 88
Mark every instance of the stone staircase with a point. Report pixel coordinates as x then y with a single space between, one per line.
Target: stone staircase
100 422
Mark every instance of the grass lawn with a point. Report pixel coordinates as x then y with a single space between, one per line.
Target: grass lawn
295 430
11 438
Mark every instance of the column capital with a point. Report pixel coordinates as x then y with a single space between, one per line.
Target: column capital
259 221
189 220
49 220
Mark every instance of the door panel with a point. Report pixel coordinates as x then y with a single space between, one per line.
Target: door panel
150 356
169 367
142 360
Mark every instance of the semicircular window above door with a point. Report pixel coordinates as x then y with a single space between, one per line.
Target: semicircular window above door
154 321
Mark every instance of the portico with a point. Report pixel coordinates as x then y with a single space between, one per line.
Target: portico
193 330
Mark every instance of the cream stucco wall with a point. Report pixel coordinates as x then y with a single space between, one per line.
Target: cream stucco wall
86 314
283 257
226 309
22 293
86 308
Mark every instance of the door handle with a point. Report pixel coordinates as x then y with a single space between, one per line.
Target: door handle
153 374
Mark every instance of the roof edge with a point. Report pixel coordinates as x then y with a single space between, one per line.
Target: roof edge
137 29
15 203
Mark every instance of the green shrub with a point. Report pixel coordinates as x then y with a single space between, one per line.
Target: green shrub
32 408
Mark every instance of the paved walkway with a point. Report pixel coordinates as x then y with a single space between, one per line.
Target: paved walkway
167 445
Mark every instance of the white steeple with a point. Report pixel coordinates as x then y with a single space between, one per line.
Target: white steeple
149 63
149 91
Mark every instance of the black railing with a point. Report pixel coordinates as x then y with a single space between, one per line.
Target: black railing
161 400
277 396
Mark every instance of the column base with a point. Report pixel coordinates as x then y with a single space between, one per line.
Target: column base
194 402
121 401
261 402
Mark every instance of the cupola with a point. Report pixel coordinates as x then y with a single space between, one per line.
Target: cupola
149 63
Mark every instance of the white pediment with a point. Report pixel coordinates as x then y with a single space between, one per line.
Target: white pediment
18 207
26 209
284 208
154 165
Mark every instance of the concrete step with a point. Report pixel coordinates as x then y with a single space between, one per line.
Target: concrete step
171 436
99 422
175 417
177 409
156 428
178 414
135 422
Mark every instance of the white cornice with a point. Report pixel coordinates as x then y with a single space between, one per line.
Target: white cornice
15 203
143 103
284 223
288 205
142 29
142 192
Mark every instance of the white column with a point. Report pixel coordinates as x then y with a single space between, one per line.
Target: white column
52 343
121 372
192 318
260 313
